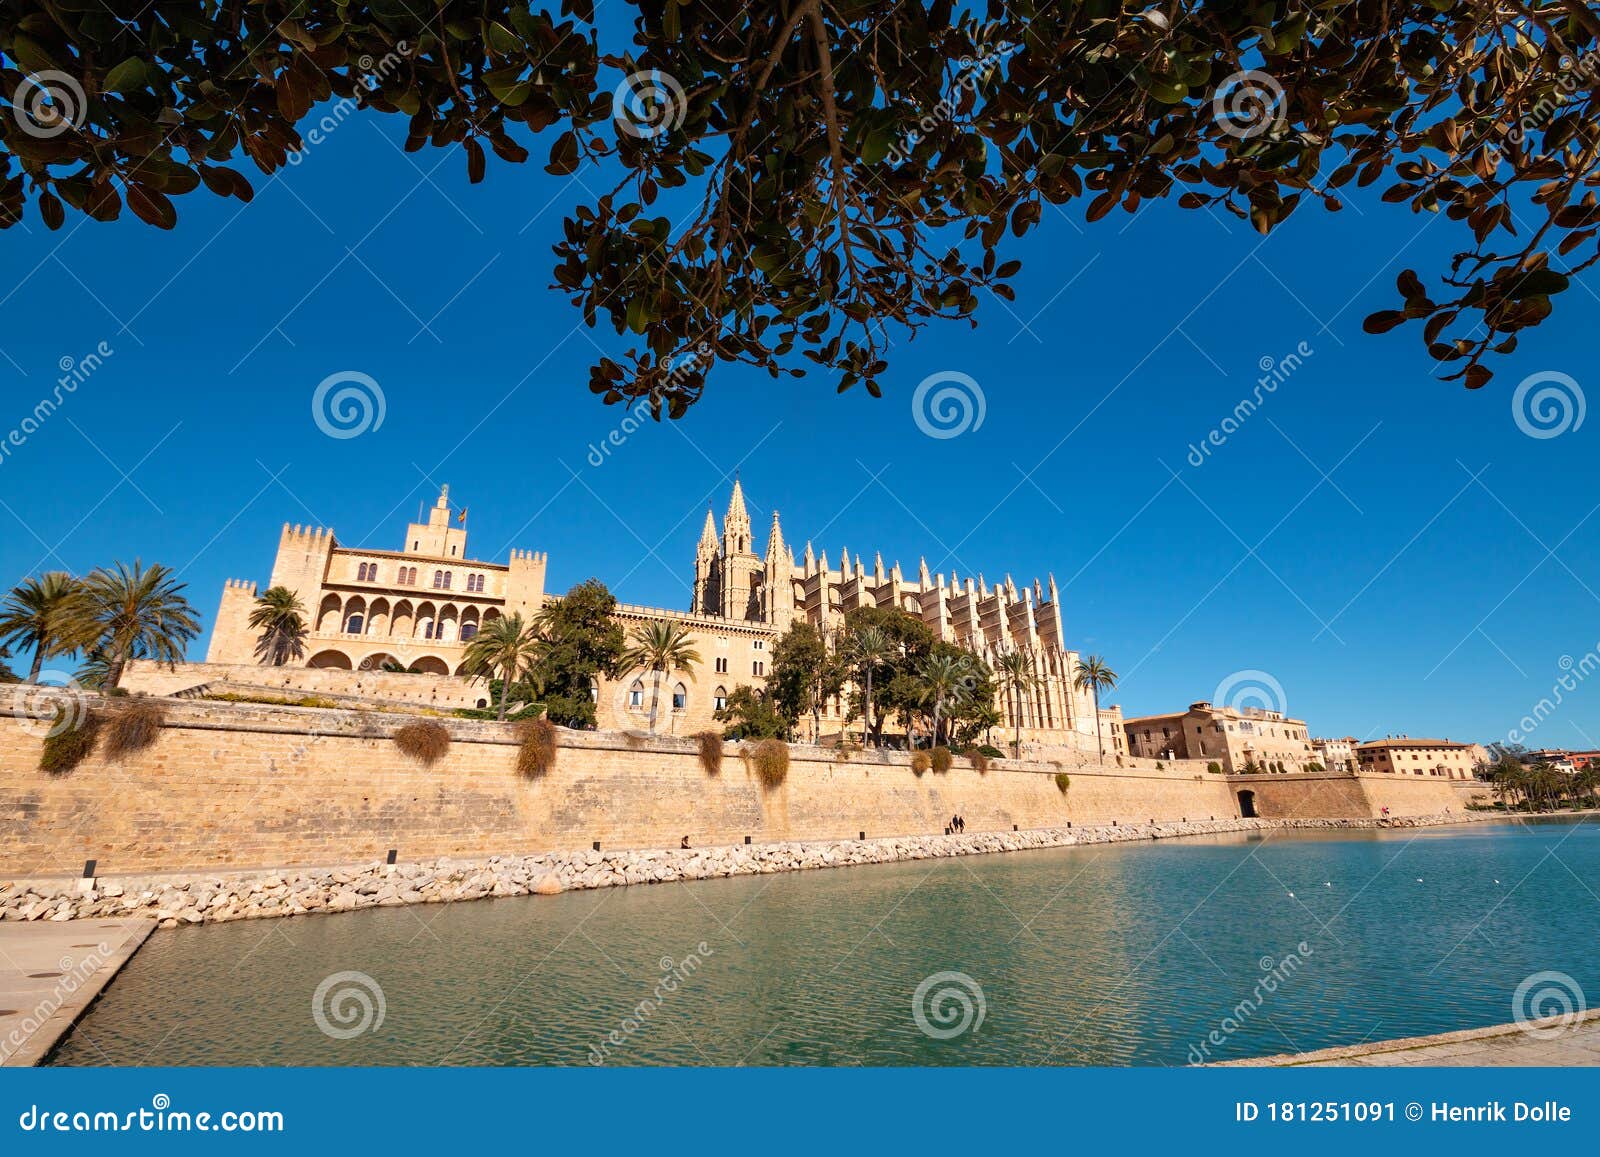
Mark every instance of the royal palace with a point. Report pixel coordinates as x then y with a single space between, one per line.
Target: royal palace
414 609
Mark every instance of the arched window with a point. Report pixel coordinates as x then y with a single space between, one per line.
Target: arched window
636 694
719 698
468 630
352 625
411 576
680 697
438 580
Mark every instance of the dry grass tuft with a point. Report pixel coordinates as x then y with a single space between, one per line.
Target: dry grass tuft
132 725
71 738
942 759
920 762
424 741
771 760
979 761
710 751
537 754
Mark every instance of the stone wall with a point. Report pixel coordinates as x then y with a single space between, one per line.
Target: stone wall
445 692
1359 796
242 785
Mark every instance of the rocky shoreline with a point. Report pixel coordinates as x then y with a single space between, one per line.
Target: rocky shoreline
211 897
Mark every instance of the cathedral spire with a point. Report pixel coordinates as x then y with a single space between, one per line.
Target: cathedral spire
708 534
736 510
777 552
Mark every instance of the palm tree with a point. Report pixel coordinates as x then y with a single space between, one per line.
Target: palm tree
661 648
942 675
1015 675
504 645
1094 675
280 617
46 614
869 649
136 614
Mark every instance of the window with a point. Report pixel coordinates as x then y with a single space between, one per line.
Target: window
680 697
474 583
758 668
636 694
441 580
759 645
719 699
468 630
352 625
722 664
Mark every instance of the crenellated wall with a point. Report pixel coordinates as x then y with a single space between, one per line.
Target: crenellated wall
242 785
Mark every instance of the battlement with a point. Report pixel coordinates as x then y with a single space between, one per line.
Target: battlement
306 536
531 557
248 586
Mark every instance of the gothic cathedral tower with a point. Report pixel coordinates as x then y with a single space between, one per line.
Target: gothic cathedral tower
707 571
742 569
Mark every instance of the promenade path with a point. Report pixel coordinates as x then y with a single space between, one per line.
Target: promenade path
1539 1044
50 971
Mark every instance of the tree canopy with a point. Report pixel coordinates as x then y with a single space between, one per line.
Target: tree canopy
810 176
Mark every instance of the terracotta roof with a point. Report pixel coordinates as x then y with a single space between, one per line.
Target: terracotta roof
1415 743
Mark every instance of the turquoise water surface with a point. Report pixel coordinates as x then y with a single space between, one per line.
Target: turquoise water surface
1130 954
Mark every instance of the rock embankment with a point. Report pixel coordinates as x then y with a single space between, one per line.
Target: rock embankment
212 898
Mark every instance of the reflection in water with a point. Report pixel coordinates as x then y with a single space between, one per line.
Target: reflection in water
1119 955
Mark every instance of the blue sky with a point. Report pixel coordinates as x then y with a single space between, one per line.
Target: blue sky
1392 550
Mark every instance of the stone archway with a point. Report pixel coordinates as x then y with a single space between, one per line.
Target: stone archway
1247 805
336 660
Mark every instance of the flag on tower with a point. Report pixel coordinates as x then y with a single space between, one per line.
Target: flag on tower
461 517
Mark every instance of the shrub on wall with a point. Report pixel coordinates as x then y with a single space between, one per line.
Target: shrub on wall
844 749
1214 767
942 759
132 725
979 761
710 751
771 760
1063 781
424 741
70 740
920 762
537 752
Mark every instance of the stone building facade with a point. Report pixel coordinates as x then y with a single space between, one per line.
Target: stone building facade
1237 739
1407 756
416 609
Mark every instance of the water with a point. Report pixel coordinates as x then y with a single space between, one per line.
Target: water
1119 955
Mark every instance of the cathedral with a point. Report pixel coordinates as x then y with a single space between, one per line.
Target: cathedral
373 611
735 584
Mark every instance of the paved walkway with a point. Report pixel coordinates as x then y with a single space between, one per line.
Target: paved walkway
1575 1045
49 972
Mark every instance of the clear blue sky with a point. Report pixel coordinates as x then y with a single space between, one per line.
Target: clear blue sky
1377 541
